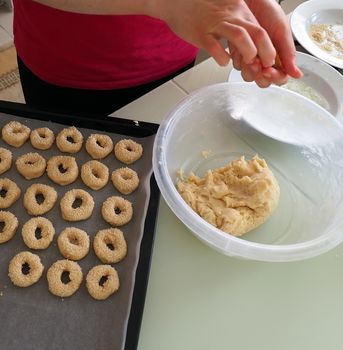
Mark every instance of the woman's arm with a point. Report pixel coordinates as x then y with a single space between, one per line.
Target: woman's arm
255 29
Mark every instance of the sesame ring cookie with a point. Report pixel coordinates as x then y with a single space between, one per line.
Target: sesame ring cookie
38 233
102 281
10 223
64 278
94 174
110 245
69 140
76 205
9 193
99 146
117 211
5 159
25 269
39 199
31 165
42 138
15 133
125 180
62 170
128 151
73 243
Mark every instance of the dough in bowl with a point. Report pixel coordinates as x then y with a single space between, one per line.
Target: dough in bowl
235 198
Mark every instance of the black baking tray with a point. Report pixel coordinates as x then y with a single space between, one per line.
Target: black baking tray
129 128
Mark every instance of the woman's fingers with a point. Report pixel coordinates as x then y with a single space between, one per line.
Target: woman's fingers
263 83
262 76
250 72
236 57
239 38
265 48
248 75
275 76
215 49
288 61
271 17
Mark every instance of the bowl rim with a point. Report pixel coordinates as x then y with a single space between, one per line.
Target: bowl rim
233 246
324 71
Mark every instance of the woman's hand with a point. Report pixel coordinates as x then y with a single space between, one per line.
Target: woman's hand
255 30
204 22
273 20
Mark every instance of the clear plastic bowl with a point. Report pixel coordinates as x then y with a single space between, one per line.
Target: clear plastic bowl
309 218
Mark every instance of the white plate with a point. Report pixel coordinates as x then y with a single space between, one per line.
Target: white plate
312 12
319 78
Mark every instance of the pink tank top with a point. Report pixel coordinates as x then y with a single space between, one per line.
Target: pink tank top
96 51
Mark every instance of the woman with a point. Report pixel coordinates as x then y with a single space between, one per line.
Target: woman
91 57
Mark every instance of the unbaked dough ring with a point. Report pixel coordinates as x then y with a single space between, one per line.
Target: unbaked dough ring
99 146
81 212
110 245
9 193
64 278
41 227
117 211
125 180
10 225
31 165
62 170
15 133
5 159
32 200
42 138
73 243
128 151
25 269
69 140
94 174
102 281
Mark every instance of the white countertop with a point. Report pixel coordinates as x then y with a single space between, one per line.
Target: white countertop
200 299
